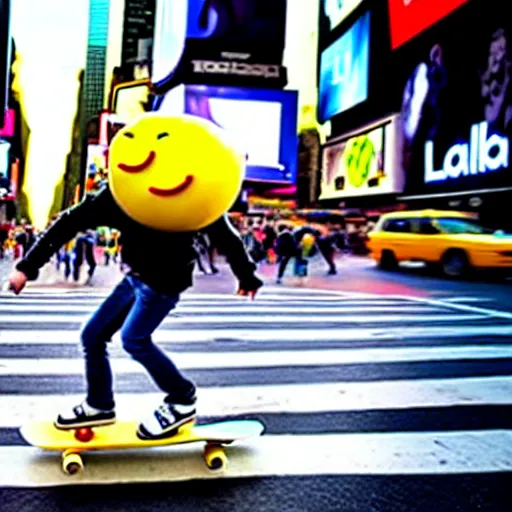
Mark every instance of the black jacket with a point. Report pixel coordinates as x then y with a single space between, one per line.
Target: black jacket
163 260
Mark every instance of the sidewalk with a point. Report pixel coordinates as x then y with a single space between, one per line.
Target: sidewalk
105 278
49 277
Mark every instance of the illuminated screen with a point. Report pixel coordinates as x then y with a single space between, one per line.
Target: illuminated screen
355 167
262 122
4 158
337 10
344 71
410 18
239 20
9 124
131 102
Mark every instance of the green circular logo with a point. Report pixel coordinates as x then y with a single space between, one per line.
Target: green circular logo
359 156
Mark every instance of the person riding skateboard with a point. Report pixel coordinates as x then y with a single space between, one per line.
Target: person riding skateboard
155 278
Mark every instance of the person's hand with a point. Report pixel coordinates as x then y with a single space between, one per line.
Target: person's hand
250 289
247 293
16 281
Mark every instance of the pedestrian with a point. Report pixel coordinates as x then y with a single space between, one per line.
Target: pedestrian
203 248
286 249
307 249
269 240
84 249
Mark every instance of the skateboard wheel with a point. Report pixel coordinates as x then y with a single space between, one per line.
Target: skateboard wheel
72 463
215 457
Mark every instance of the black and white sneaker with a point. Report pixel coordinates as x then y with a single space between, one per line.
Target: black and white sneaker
166 420
84 415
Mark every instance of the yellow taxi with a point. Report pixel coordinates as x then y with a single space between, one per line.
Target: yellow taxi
456 241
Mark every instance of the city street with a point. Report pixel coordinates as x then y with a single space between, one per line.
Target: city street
396 395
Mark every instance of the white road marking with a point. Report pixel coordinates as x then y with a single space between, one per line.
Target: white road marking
260 359
229 302
256 308
241 319
467 299
493 313
415 453
318 334
16 410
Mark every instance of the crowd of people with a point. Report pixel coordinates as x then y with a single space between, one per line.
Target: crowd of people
275 240
83 249
268 239
16 238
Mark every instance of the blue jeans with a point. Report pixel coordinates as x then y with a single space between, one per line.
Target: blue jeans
137 310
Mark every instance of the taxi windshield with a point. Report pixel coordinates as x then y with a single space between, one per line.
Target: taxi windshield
456 226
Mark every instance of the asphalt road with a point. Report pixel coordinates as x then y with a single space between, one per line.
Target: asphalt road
395 400
361 275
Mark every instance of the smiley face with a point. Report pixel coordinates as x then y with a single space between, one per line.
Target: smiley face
178 173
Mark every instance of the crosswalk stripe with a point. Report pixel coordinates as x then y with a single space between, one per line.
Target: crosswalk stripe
317 334
261 359
240 319
29 304
280 294
226 300
468 299
273 455
265 381
239 309
295 398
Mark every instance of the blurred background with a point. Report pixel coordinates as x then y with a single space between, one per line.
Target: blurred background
347 110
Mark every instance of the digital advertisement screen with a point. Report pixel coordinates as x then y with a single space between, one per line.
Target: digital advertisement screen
355 167
457 103
237 20
4 158
337 10
344 71
263 124
408 18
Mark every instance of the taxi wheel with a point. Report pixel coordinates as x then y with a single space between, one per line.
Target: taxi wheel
388 260
455 264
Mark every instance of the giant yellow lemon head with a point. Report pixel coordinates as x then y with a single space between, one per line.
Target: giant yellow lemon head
176 173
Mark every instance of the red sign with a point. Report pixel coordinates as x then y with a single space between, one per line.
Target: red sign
408 18
9 121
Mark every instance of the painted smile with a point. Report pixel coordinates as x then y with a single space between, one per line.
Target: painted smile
168 192
139 167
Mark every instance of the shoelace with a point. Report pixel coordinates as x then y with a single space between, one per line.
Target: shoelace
165 416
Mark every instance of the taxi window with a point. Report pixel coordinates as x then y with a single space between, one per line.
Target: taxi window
398 226
427 227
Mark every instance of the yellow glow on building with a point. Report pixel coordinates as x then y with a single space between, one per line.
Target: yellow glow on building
51 43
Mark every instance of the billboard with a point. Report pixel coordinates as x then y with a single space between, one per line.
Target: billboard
363 164
408 18
5 56
262 122
337 10
457 103
343 80
219 42
257 21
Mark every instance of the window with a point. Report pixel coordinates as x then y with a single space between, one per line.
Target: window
455 226
426 227
398 226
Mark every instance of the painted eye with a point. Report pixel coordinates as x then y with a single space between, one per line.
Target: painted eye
138 167
129 135
162 135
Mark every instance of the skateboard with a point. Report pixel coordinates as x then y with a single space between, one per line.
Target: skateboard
121 435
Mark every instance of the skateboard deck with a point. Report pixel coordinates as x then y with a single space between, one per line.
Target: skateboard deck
123 435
